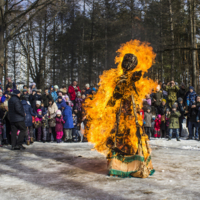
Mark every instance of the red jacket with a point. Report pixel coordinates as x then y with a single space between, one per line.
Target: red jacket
72 92
157 123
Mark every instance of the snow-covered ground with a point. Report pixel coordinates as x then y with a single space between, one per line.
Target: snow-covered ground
73 171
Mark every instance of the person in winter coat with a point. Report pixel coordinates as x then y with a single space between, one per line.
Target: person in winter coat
5 97
46 97
192 116
174 122
72 91
157 126
17 120
157 98
6 121
32 98
38 106
181 109
1 94
39 129
165 94
172 90
51 113
148 99
54 93
67 116
182 93
59 126
28 121
25 95
11 84
88 90
162 111
75 134
59 102
32 87
191 97
147 120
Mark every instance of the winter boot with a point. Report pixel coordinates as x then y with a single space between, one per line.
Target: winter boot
32 140
169 139
28 142
178 139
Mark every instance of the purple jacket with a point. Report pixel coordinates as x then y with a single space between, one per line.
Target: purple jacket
78 104
59 124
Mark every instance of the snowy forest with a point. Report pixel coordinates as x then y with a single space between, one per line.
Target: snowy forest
57 41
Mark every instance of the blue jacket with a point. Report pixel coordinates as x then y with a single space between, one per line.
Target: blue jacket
29 113
3 98
54 95
191 98
67 116
59 104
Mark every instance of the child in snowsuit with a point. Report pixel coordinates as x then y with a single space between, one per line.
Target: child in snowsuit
191 97
39 129
59 126
174 122
157 127
147 120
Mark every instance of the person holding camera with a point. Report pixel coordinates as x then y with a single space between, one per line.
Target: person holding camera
172 90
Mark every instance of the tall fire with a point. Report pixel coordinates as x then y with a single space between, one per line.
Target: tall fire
115 125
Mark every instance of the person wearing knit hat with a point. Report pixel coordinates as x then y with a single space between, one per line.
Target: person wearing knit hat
59 102
54 93
59 126
17 120
174 122
191 97
38 103
180 99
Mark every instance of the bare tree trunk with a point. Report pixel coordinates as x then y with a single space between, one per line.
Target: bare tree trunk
54 52
172 40
2 28
14 60
192 5
82 49
28 58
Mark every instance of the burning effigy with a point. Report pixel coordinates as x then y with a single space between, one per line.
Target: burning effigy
114 123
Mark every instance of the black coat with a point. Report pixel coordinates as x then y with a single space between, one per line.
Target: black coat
16 110
46 99
33 99
162 111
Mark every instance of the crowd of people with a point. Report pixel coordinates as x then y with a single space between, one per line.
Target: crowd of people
56 115
166 109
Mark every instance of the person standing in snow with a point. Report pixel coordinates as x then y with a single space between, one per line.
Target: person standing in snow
174 122
147 120
17 120
59 126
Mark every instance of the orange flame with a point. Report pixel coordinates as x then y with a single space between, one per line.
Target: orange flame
102 118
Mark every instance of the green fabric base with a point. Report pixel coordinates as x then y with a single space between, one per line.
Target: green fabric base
121 174
127 159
